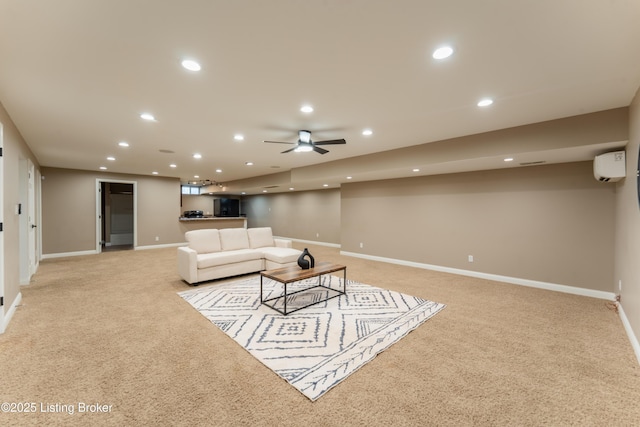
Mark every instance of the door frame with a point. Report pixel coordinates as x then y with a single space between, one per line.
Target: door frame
99 182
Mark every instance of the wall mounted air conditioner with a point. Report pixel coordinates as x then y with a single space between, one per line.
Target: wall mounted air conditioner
609 167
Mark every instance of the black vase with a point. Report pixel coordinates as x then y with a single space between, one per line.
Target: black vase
304 263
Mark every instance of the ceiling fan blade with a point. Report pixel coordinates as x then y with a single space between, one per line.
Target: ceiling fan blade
289 150
330 142
320 150
279 142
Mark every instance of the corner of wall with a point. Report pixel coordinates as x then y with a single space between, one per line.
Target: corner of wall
12 309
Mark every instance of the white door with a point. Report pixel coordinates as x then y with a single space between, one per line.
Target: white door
1 234
38 204
32 219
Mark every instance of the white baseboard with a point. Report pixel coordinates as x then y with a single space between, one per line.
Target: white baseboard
166 245
627 327
7 317
66 254
610 296
311 242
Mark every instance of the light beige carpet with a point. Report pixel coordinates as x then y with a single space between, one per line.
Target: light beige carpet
111 329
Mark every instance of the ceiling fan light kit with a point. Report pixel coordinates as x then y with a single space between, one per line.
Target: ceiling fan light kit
305 143
303 148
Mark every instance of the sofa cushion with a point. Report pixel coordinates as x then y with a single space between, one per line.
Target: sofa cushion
204 241
234 238
281 255
260 237
227 257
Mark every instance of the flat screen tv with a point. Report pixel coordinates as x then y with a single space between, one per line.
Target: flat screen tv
226 207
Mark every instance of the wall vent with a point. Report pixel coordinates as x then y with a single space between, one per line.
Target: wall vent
539 162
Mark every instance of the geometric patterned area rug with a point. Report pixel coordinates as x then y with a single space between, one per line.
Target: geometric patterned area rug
317 347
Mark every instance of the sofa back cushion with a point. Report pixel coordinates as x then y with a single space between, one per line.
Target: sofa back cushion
260 237
204 241
234 238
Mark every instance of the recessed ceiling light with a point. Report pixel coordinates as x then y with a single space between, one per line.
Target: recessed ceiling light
249 163
244 192
291 188
196 176
485 102
197 156
154 173
325 185
191 65
123 144
148 117
509 159
104 168
264 191
173 165
367 132
442 52
219 170
111 158
307 109
416 170
238 137
349 177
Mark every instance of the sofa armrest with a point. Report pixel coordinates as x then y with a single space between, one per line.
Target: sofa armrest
188 264
283 243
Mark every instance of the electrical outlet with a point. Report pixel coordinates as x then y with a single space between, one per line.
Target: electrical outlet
470 258
361 245
157 238
317 234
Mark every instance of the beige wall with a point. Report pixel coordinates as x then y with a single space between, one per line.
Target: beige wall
69 209
15 151
552 223
310 215
627 238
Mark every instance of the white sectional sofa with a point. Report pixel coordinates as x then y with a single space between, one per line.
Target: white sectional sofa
213 254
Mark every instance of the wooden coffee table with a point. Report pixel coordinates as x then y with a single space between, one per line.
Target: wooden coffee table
287 275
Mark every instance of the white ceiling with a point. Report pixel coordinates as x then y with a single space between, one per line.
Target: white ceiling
75 75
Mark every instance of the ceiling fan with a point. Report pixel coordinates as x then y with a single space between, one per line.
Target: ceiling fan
306 144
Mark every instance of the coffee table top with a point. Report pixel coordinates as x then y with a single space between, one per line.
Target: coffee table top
295 273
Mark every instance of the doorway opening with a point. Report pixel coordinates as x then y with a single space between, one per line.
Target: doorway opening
117 216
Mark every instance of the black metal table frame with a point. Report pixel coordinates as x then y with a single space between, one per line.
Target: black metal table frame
319 285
